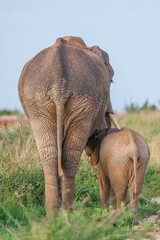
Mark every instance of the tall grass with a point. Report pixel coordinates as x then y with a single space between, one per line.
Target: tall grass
146 123
22 213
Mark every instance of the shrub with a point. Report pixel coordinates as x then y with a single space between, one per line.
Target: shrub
134 107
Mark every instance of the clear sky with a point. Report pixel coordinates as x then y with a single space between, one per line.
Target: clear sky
129 30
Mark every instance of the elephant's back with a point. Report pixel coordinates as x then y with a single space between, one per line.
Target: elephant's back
117 145
123 144
64 68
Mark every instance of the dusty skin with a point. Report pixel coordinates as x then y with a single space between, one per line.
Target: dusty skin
65 93
122 157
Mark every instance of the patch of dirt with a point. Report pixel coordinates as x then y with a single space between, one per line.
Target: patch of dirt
154 235
156 200
6 121
154 219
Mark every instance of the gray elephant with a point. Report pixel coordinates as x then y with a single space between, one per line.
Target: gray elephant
65 93
121 156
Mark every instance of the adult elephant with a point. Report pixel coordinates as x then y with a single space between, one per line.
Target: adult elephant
65 93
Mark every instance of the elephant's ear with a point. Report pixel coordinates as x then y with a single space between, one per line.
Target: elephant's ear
98 52
88 150
104 57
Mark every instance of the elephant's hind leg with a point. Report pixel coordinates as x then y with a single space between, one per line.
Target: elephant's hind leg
73 146
45 136
71 157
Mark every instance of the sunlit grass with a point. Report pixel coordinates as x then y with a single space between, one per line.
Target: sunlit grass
22 213
146 123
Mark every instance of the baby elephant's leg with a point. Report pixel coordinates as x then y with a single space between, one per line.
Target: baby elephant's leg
121 196
112 198
119 183
134 196
104 187
136 186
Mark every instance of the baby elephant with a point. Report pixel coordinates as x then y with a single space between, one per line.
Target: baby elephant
121 156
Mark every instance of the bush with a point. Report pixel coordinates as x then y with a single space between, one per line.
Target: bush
6 112
134 107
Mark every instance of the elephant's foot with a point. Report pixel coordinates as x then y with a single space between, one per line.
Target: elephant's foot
67 199
51 211
133 207
54 197
134 203
52 203
68 207
104 205
68 193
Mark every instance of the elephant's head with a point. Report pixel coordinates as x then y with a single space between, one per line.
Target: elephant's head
95 140
103 56
93 145
92 148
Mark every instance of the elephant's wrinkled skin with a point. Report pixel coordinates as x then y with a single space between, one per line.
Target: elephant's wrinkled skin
65 93
122 157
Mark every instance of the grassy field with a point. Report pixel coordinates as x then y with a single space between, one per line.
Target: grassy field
22 213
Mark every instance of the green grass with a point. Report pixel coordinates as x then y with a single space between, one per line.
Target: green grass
7 112
22 213
134 107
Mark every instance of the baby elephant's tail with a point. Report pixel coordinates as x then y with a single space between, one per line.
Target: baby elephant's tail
134 155
135 160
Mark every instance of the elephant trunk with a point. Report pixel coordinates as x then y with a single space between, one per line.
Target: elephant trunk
113 120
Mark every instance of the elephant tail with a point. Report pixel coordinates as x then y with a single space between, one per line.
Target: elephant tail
60 117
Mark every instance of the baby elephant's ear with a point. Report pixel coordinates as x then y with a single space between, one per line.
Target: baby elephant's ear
93 159
96 134
88 151
100 134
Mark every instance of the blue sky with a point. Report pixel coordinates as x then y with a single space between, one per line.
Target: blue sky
129 30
